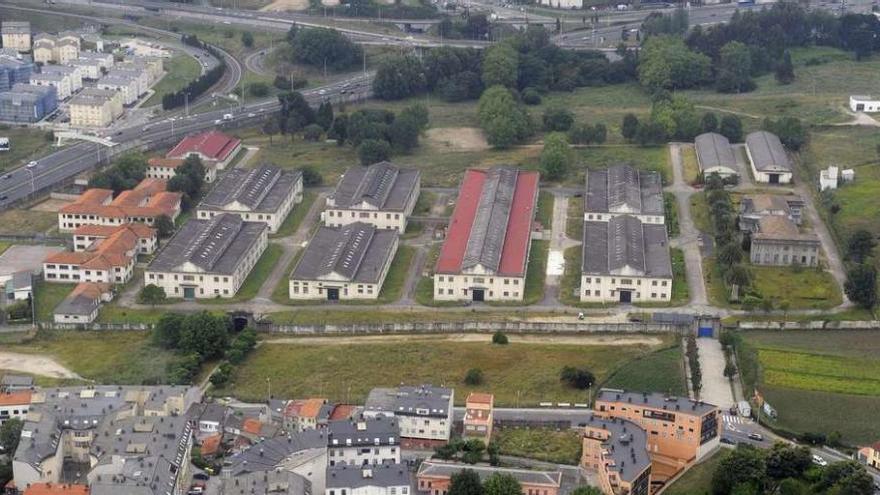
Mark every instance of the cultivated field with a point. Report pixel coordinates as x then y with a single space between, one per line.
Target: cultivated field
661 371
562 447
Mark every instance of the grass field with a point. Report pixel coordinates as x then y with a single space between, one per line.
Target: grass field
690 168
180 70
570 283
296 216
119 357
24 144
811 376
805 288
574 225
698 479
659 371
336 370
700 212
259 273
655 158
536 272
543 444
47 296
25 222
544 215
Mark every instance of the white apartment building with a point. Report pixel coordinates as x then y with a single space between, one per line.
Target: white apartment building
363 441
425 413
140 75
208 258
108 259
127 87
61 82
381 479
74 73
16 35
94 107
382 194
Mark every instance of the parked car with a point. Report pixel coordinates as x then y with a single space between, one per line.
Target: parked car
819 461
727 441
756 436
32 164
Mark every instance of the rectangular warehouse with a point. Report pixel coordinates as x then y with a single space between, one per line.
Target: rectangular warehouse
623 190
715 155
769 162
486 252
382 194
348 262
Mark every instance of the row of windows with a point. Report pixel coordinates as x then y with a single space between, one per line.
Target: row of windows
362 214
464 292
598 293
478 280
623 281
191 278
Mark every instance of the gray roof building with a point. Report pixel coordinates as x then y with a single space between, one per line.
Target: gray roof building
383 475
444 469
655 400
262 190
423 400
623 189
267 454
626 246
626 444
217 245
356 252
81 303
767 153
11 383
382 186
15 27
363 431
714 154
278 482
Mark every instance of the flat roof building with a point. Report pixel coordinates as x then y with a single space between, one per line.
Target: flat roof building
715 155
26 103
208 258
349 262
625 260
382 194
623 190
768 159
616 452
14 69
16 35
263 194
864 103
379 479
486 252
425 412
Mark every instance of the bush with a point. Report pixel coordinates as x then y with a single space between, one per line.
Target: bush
19 310
313 132
474 376
558 120
530 96
258 89
499 338
578 378
151 294
372 151
311 177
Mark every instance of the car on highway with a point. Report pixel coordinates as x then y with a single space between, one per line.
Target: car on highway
728 441
31 164
7 176
756 436
819 461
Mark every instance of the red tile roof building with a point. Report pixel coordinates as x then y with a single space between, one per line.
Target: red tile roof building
14 405
487 245
142 204
108 259
55 489
215 148
87 235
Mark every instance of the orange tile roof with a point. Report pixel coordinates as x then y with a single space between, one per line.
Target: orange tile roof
15 398
342 411
103 254
55 489
95 196
311 407
93 290
148 199
165 162
139 229
480 398
211 444
252 426
293 407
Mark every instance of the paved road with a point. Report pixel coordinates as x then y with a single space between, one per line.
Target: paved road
715 386
689 238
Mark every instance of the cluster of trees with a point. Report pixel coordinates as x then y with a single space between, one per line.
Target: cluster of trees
472 27
786 469
526 63
125 173
503 118
467 482
693 358
861 279
790 130
579 378
195 338
200 84
674 117
729 251
467 451
189 179
241 345
10 434
370 8
323 48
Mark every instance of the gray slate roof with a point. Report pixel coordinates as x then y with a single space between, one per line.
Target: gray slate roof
489 228
77 304
15 27
624 241
767 152
380 475
15 382
623 189
656 400
262 189
27 93
626 444
279 482
357 252
265 455
405 400
714 150
447 469
363 431
217 245
383 186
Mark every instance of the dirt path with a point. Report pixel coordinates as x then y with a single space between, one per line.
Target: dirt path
34 365
604 340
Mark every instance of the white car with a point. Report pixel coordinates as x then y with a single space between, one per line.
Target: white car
819 461
31 164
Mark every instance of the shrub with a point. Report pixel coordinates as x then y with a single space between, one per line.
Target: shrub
313 132
372 151
578 378
499 338
530 96
474 376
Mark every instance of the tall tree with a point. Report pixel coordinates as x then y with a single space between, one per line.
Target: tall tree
861 285
735 69
502 118
323 47
630 126
204 334
787 461
709 122
10 434
324 116
500 64
556 157
666 63
784 69
860 245
501 484
731 128
744 466
465 482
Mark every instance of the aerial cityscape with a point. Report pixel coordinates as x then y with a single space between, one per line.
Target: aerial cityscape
439 247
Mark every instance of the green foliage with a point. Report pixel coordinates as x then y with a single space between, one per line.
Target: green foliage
151 294
861 285
787 461
200 334
677 116
586 490
247 39
785 70
166 333
665 62
10 433
503 119
579 378
630 126
164 226
124 174
530 96
258 89
731 128
791 131
556 157
744 466
501 484
658 23
587 134
320 47
473 377
324 115
313 133
693 358
372 151
18 310
499 338
189 179
311 177
465 482
846 478
557 119
398 77
221 376
860 245
404 133
500 63
709 122
295 114
734 70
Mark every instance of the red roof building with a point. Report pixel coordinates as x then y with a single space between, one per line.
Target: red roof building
14 404
486 252
55 489
109 259
213 147
143 204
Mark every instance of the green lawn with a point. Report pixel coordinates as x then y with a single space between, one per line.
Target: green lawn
296 215
544 444
336 370
536 272
259 273
180 70
700 212
690 168
25 222
25 143
670 208
574 225
544 215
660 371
424 294
804 288
47 295
698 479
106 357
655 158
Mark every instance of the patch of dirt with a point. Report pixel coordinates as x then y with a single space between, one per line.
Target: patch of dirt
457 139
34 365
604 340
51 205
285 5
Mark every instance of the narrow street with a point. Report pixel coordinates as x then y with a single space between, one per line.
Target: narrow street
716 387
559 242
688 239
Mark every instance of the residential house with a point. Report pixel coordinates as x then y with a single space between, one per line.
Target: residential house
268 482
349 262
94 107
307 414
14 404
363 441
769 161
140 75
60 82
126 86
15 383
434 477
303 453
166 168
425 413
73 73
772 224
379 479
382 194
478 417
14 69
486 251
870 455
864 103
20 287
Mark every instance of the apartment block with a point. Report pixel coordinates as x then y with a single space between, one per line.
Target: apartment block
26 103
94 107
363 441
14 69
425 413
615 452
380 479
478 417
126 86
109 259
14 404
16 35
382 194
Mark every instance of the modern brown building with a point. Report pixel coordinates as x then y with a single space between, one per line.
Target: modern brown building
434 477
478 417
615 452
679 431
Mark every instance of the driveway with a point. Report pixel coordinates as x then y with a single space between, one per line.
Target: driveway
716 387
688 239
559 242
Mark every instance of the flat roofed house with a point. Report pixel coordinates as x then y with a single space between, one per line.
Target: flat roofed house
625 260
16 35
715 155
213 147
349 262
623 190
27 103
478 416
434 477
486 251
615 451
382 194
208 258
769 161
697 426
263 194
82 304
